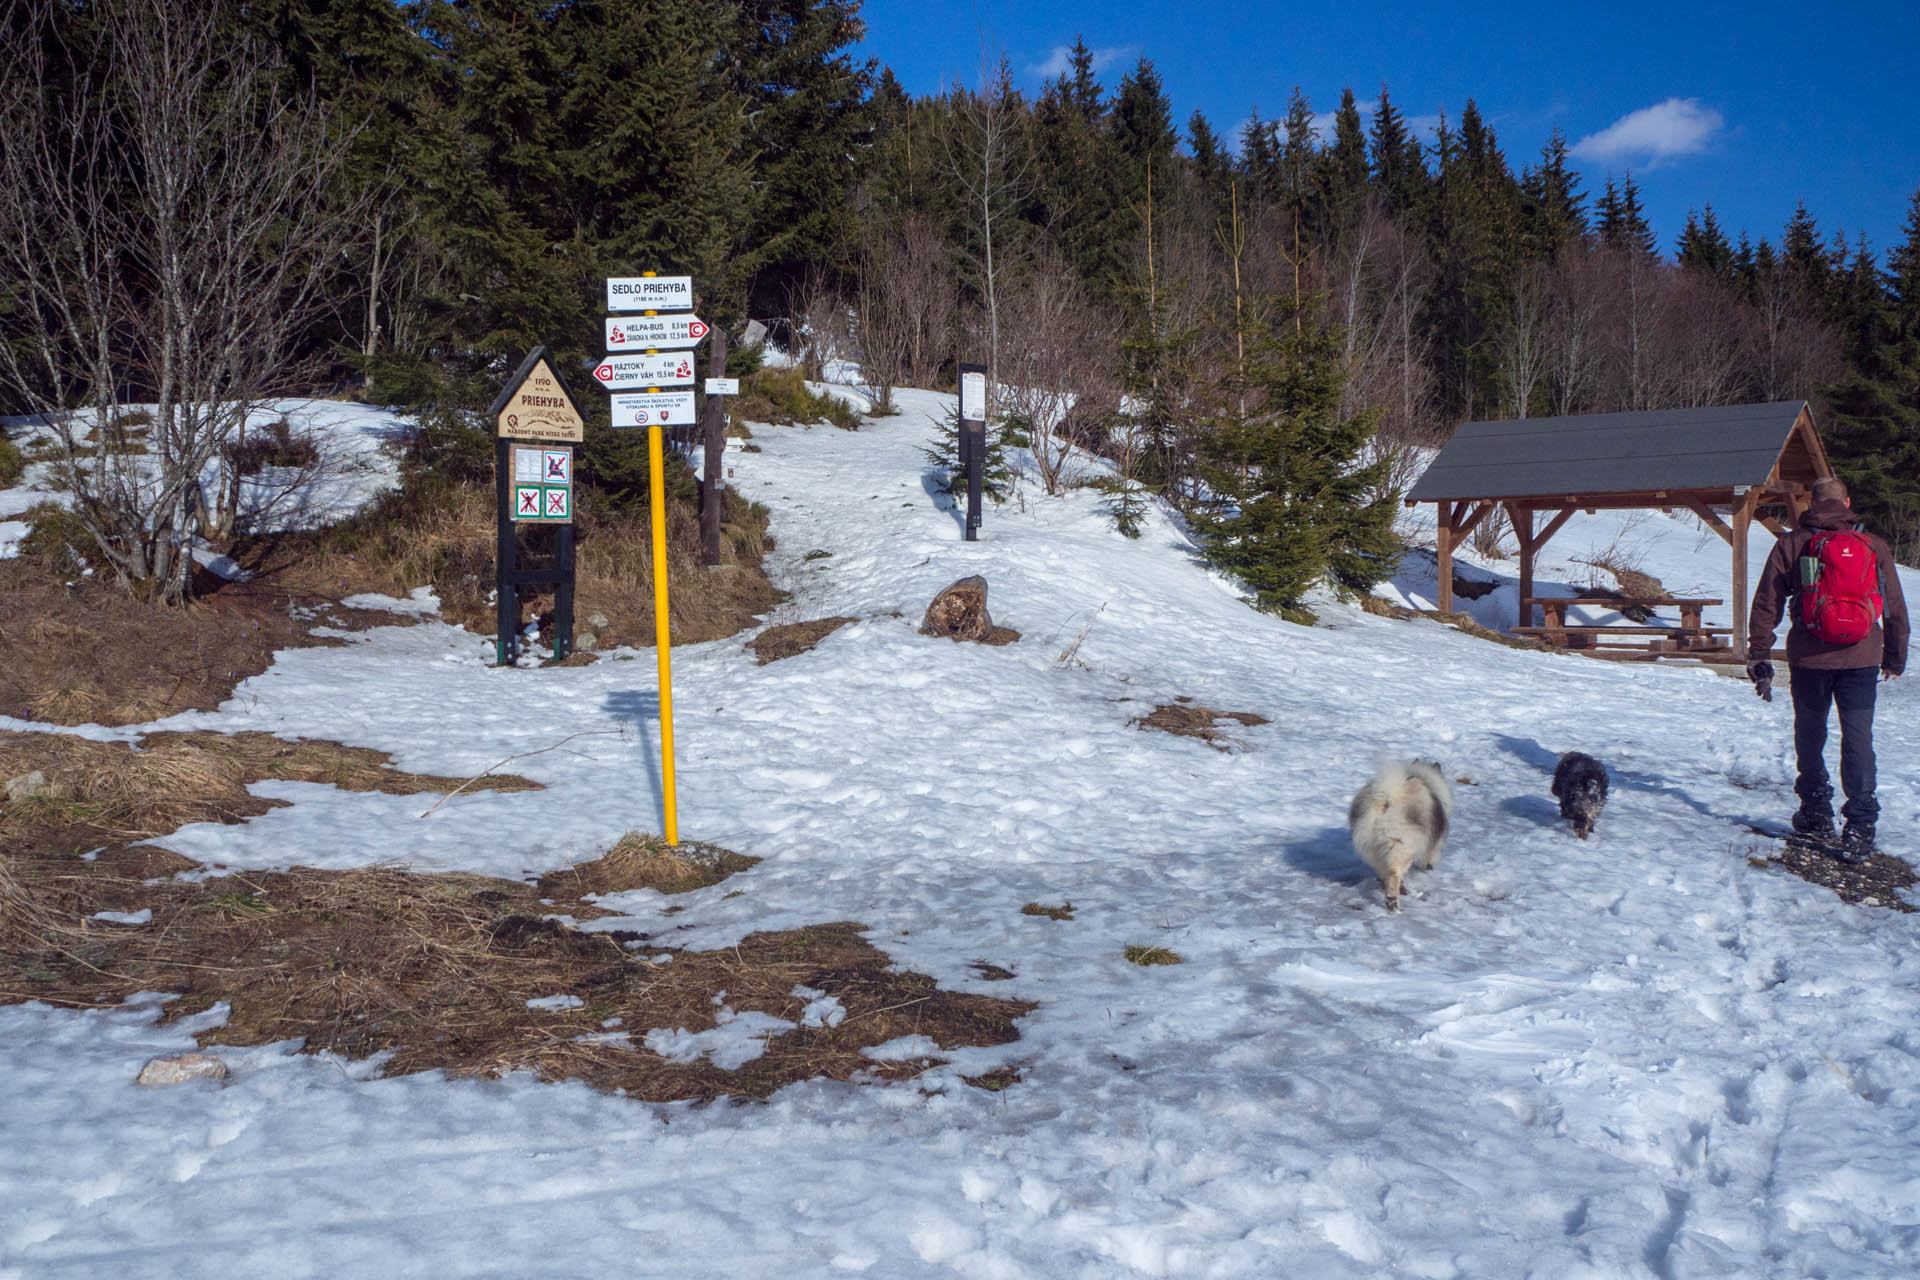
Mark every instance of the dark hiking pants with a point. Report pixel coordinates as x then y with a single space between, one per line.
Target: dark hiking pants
1814 692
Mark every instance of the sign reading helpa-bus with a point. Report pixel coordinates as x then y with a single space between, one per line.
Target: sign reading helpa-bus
655 369
663 333
654 409
536 406
649 293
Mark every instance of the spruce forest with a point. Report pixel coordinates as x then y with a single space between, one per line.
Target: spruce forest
1253 320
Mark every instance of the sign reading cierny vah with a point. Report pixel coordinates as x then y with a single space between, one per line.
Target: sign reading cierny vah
659 409
649 293
663 333
661 369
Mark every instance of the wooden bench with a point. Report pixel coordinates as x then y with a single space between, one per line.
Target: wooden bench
1654 638
1555 607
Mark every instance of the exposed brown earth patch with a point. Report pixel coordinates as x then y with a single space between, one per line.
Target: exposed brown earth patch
1877 882
641 861
1190 720
792 638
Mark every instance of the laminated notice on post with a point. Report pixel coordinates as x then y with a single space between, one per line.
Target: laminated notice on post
973 396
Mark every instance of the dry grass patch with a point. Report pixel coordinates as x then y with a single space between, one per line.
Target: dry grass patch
438 971
448 542
1062 912
642 861
1150 956
109 793
90 653
1190 720
792 638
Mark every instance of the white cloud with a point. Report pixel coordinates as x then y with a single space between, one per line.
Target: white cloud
1060 61
1676 127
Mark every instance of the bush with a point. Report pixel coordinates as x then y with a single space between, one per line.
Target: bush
57 540
12 464
274 445
782 396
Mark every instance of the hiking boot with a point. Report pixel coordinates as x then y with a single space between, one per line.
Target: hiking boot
1856 842
1815 826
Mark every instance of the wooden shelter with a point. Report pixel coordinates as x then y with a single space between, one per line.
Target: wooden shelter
1729 465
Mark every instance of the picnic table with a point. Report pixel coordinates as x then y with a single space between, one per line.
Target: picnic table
1649 639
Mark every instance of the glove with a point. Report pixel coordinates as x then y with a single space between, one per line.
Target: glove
1761 673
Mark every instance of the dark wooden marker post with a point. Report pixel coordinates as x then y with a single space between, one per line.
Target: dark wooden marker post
536 425
973 439
714 442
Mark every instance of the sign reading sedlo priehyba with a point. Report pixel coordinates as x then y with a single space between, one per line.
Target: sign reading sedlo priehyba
649 293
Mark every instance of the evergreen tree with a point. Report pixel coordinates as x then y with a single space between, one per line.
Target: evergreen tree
1211 162
1142 122
1399 168
1298 151
1873 424
1623 223
1805 260
1552 206
1290 504
1342 170
1903 273
1703 246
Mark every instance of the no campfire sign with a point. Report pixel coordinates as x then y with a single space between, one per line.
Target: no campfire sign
542 484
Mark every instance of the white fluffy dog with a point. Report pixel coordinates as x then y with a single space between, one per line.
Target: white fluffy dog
1400 818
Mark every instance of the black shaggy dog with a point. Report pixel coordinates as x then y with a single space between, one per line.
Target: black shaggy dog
1580 784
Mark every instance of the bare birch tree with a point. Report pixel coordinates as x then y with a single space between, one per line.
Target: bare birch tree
989 157
169 216
1059 367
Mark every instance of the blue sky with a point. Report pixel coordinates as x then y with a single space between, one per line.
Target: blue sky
1747 107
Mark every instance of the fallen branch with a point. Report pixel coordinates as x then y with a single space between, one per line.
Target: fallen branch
588 733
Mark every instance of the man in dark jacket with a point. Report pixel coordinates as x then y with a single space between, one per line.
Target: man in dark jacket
1824 675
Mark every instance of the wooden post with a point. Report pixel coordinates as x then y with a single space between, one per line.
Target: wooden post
714 443
1742 519
1521 518
1443 537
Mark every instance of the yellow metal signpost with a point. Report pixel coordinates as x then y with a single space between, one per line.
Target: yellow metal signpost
649 293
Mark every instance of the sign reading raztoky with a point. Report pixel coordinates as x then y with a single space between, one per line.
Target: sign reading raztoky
658 409
655 369
536 406
649 293
665 333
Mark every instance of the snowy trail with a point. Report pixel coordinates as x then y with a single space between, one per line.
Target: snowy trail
1632 1056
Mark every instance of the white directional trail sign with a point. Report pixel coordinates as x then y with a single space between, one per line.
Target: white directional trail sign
650 409
662 369
649 293
663 333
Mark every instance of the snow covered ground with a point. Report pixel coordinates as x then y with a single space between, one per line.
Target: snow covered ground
355 466
1634 1056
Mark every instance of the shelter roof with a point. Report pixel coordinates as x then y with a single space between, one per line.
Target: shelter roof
1601 453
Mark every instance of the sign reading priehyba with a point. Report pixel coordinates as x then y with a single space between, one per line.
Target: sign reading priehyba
663 333
536 406
656 369
542 484
654 409
649 293
723 386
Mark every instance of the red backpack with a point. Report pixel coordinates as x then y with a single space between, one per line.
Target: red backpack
1839 587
